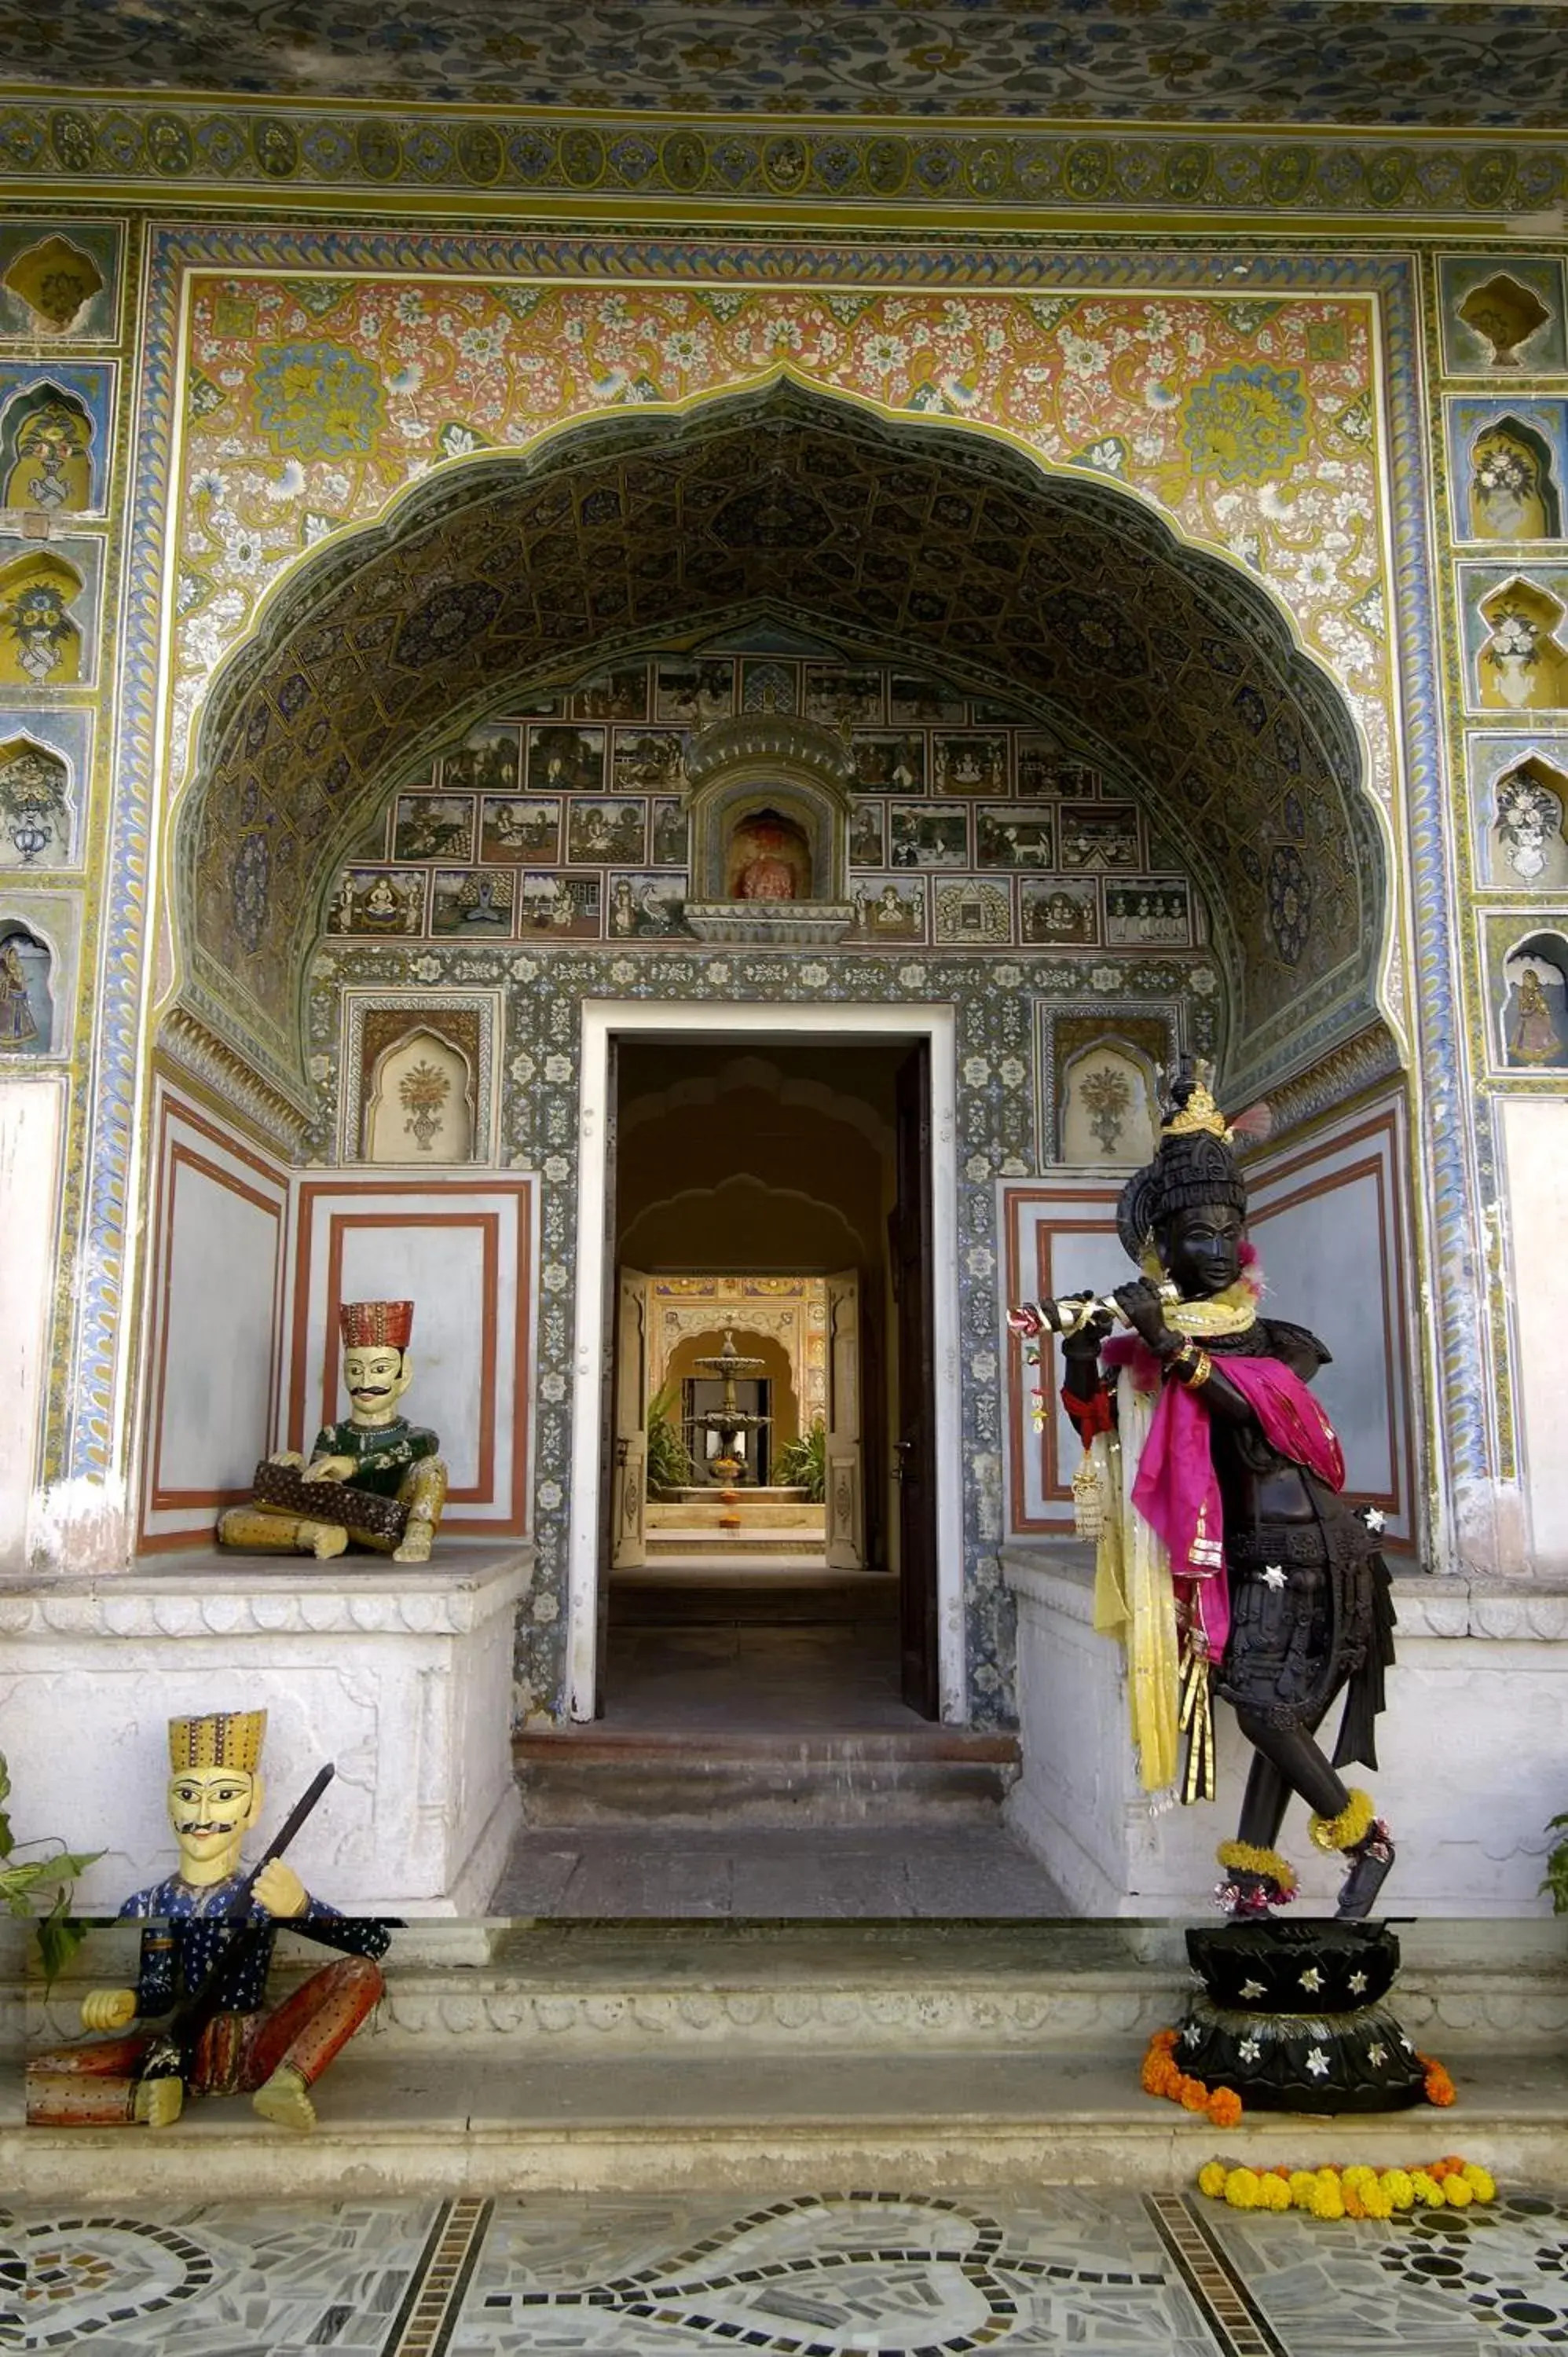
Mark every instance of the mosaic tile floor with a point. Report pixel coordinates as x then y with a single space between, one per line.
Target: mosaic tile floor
854 2274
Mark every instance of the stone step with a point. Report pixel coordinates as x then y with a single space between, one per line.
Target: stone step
922 2121
588 1774
769 1596
753 1512
696 1540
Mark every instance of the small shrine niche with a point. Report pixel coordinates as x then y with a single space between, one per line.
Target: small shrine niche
1504 315
46 454
1528 842
768 857
35 810
420 1107
1512 492
56 281
41 644
26 1002
1523 666
1109 1107
767 798
1534 1012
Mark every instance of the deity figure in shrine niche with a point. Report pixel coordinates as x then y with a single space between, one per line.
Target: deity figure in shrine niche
374 1478
770 859
200 1993
1225 1556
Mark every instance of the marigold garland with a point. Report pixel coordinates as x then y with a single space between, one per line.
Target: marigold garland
1358 2192
1162 2076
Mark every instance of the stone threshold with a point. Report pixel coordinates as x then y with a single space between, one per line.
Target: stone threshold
923 2121
698 1746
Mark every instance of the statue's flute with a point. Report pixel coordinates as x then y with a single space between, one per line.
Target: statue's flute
1068 1314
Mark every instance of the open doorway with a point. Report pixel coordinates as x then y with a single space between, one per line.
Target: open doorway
769 1219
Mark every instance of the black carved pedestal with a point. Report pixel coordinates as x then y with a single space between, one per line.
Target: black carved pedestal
1292 2017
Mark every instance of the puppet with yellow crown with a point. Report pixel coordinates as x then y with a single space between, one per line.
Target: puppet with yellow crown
374 1478
211 1929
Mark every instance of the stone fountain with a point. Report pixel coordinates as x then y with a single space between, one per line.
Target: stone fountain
728 1422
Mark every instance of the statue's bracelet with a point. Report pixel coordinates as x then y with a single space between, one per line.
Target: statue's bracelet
1201 1367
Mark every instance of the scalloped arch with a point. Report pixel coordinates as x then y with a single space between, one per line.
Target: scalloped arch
933 542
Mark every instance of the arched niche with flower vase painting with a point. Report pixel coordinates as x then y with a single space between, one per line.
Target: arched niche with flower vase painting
767 799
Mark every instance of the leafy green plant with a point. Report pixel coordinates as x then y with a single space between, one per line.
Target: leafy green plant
1556 1878
25 1879
668 1460
803 1464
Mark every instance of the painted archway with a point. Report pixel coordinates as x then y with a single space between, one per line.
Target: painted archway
926 540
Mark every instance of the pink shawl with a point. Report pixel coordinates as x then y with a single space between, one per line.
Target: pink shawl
1175 1490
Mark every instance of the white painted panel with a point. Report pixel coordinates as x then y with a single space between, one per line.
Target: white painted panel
441 1270
219 1341
1323 1259
1535 1139
30 1116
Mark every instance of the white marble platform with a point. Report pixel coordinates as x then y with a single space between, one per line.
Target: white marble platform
400 1675
1473 1751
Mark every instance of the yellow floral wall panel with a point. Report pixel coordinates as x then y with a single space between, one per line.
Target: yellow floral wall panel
1250 424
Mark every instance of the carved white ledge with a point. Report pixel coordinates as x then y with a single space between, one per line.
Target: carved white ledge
206 1594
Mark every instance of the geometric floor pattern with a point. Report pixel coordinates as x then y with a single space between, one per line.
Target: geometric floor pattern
862 2273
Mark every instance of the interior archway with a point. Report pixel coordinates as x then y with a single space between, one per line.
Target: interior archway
1061 593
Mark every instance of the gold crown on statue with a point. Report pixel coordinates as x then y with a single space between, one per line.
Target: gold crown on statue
223 1738
375 1325
1199 1112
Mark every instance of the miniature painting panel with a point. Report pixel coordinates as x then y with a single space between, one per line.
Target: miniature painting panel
434 826
1519 793
1055 913
670 835
919 837
1507 467
27 1006
55 431
868 835
600 833
60 280
1011 837
888 908
986 713
555 907
697 691
372 901
890 762
565 761
518 827
913 698
1516 638
1100 836
1153 912
1040 763
769 686
44 768
649 760
838 693
1534 1013
1500 312
968 765
618 693
477 901
976 913
645 908
489 756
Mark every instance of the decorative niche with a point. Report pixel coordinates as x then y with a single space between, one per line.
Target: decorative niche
767 798
418 1078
